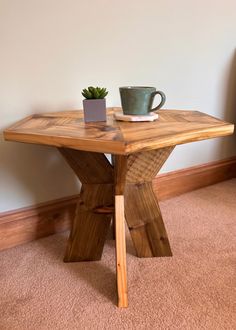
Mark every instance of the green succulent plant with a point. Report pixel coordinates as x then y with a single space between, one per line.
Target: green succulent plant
94 93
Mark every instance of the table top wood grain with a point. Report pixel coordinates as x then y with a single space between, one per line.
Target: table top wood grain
67 129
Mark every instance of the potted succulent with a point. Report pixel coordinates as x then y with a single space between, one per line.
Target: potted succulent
94 104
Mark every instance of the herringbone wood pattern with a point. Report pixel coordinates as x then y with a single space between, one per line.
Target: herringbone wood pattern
67 129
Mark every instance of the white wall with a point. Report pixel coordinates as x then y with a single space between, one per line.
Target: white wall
51 49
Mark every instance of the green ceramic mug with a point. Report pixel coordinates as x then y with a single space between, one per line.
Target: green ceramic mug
138 100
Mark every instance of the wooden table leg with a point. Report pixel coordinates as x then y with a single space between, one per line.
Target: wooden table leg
142 211
120 252
95 205
121 273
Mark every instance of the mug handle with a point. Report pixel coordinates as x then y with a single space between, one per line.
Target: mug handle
163 99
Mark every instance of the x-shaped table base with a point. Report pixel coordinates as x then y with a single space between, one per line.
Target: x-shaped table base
123 190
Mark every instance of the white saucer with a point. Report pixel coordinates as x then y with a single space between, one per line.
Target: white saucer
151 116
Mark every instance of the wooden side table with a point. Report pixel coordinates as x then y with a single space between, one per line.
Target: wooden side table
124 189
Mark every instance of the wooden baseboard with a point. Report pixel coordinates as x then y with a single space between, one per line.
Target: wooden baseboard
27 224
182 181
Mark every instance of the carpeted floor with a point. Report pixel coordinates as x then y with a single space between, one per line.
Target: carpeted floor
195 289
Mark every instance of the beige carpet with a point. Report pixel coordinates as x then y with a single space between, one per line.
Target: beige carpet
195 289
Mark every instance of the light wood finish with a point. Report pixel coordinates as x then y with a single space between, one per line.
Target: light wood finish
120 168
27 224
67 129
120 252
95 205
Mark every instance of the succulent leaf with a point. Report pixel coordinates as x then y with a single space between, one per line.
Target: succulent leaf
94 92
90 89
89 95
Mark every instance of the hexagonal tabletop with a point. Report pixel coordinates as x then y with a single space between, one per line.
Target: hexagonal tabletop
67 129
